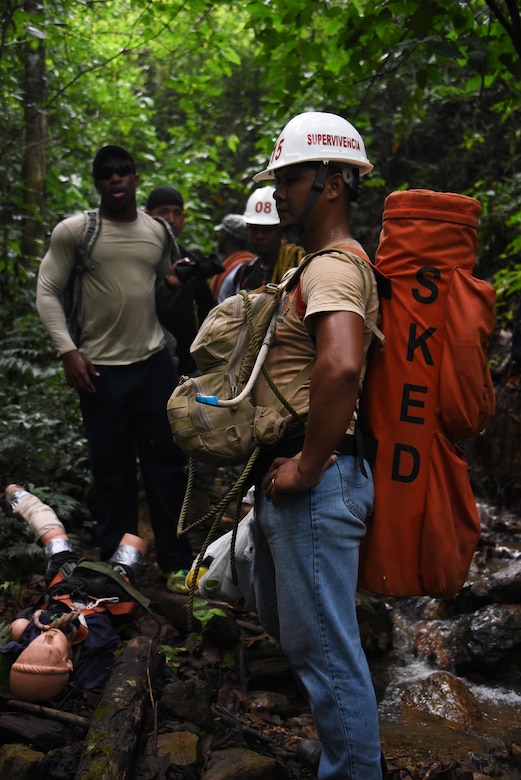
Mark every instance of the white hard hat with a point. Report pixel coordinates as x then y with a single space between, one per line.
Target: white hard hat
261 208
316 136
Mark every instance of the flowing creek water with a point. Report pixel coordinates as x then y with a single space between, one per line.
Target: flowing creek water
417 733
476 642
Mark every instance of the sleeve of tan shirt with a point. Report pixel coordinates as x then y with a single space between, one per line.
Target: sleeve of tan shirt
53 275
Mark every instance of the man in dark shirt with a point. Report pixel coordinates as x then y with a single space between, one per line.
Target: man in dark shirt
182 316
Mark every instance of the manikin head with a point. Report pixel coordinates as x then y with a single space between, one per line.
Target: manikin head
42 670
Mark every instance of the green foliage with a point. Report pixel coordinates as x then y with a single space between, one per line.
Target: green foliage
204 613
20 556
507 282
173 656
42 440
5 665
5 633
12 588
199 92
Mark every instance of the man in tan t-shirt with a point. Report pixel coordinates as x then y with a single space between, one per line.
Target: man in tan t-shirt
120 366
314 497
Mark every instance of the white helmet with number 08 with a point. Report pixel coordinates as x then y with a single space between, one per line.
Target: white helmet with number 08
261 208
316 136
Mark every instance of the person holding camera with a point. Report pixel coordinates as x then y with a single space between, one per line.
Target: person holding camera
181 315
120 366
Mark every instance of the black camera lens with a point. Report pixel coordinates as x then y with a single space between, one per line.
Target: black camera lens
186 271
200 266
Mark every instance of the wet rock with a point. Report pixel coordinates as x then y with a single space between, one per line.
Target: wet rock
435 609
516 753
375 624
481 763
174 753
189 700
270 702
430 642
237 762
502 586
419 608
480 775
445 696
488 636
481 639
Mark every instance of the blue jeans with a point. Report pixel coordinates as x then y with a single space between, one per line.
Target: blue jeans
305 573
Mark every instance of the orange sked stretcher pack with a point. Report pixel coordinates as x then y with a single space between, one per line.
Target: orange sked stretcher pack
428 387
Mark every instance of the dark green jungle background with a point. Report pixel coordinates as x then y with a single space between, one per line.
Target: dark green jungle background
199 92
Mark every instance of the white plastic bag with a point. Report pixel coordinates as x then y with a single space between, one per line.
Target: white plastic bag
217 583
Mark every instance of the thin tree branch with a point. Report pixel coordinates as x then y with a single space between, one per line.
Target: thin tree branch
49 712
513 28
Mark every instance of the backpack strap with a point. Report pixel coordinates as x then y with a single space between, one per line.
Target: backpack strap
291 278
101 567
365 266
242 273
298 380
175 253
363 446
91 232
360 259
83 264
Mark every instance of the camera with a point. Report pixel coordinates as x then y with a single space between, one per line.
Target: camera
198 266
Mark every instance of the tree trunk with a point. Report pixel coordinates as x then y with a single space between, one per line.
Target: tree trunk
35 122
111 743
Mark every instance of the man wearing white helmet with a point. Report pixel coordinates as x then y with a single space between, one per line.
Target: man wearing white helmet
274 254
317 488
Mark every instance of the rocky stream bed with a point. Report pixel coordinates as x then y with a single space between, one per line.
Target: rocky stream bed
219 702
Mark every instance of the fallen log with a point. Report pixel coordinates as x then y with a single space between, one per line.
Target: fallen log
171 606
48 712
40 734
112 740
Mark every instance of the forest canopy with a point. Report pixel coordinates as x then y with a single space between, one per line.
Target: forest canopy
199 91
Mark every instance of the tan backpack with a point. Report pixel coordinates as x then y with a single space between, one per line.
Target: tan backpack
211 415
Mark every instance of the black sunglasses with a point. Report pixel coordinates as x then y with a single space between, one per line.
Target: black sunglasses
120 169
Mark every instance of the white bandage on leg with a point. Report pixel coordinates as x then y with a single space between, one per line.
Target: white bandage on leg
39 517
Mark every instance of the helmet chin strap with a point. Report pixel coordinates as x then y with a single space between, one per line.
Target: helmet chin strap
293 232
351 177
